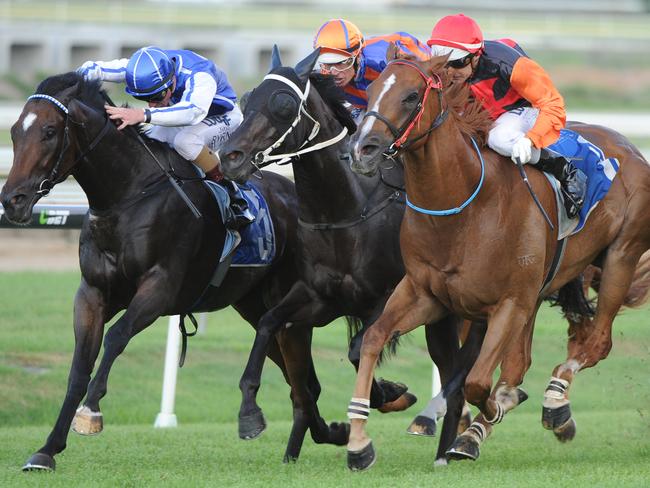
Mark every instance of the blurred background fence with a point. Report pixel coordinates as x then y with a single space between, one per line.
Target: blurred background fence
595 50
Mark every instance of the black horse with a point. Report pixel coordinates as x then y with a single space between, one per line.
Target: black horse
141 249
349 256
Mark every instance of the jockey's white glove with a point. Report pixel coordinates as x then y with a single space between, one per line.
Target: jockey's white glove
523 149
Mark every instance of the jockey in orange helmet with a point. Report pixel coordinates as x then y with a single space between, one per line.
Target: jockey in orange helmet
528 110
354 62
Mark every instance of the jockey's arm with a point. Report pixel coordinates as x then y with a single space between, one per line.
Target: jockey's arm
533 83
114 70
198 93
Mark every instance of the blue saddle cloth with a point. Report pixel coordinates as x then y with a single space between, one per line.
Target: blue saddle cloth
590 159
254 244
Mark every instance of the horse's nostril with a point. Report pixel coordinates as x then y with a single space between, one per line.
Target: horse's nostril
17 199
234 155
369 149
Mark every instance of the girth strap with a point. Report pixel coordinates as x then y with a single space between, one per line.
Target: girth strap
185 334
555 265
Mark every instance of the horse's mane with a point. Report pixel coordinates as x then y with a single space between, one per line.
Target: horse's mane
334 98
470 115
89 92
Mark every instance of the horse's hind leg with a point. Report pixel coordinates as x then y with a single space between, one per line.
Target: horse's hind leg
90 316
592 340
453 388
296 349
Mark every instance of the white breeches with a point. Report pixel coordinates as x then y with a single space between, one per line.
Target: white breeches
188 140
511 126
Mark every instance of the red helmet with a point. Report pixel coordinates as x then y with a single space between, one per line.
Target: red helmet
457 32
338 40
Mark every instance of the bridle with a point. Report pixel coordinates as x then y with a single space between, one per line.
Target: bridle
264 158
401 135
48 183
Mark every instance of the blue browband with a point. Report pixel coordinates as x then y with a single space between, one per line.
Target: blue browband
51 99
457 210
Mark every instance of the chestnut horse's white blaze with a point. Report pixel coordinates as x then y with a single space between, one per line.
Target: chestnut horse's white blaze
367 125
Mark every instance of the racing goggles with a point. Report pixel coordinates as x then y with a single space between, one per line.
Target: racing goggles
154 98
460 63
334 68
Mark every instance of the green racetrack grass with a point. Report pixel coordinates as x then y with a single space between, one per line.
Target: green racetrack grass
610 404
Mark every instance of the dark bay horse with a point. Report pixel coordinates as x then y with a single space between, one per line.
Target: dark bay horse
141 249
349 258
487 256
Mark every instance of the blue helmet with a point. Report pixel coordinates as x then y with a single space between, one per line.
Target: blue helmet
148 72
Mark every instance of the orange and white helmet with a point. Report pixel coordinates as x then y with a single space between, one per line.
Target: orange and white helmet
338 40
456 35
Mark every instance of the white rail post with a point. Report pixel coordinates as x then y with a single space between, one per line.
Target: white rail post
167 417
435 382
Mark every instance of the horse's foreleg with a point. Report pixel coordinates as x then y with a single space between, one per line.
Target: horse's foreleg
89 319
147 305
589 341
405 310
508 339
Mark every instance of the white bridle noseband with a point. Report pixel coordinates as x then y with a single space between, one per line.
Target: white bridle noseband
265 156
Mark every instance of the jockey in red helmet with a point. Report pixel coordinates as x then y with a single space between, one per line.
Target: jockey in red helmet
527 109
354 62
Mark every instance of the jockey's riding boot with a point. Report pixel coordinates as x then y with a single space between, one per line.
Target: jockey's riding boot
209 162
572 180
241 214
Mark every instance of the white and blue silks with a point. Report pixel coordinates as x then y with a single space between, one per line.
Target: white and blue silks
202 88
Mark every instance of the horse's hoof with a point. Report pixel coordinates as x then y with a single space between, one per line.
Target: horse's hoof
251 426
566 432
522 396
553 418
441 462
363 459
289 459
339 433
392 390
402 403
40 462
464 447
423 426
87 422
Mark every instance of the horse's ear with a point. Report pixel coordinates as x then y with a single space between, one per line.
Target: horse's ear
80 112
306 66
276 62
392 52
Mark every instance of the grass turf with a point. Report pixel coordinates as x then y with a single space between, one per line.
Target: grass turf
610 404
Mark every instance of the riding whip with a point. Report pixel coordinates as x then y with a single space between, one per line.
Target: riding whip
172 180
524 176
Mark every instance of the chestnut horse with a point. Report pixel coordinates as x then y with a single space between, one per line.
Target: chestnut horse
475 244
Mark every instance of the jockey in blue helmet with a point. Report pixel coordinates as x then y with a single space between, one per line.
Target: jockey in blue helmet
191 104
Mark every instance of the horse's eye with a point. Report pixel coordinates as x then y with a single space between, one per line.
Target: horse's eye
412 98
49 132
283 106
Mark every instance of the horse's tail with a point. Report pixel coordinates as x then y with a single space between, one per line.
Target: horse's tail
575 305
355 325
639 291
